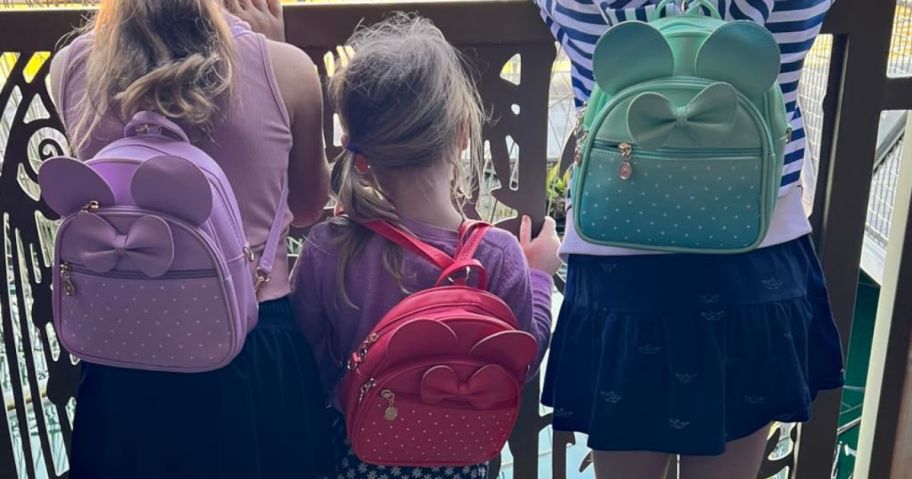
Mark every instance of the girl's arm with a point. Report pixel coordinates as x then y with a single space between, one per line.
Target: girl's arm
527 292
307 301
542 256
308 171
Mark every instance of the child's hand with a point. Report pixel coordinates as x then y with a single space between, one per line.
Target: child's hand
540 252
264 16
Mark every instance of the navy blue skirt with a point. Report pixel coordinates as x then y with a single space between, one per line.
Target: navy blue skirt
684 353
261 417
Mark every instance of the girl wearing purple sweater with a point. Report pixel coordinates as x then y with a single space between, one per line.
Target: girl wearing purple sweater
409 111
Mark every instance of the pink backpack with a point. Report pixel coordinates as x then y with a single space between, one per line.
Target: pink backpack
437 382
152 269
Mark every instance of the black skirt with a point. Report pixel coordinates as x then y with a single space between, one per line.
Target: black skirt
261 417
683 353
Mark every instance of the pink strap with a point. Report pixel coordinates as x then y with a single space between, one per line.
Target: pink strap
460 272
410 243
456 270
471 234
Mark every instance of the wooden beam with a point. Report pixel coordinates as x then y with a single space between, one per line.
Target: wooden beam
885 438
320 25
844 205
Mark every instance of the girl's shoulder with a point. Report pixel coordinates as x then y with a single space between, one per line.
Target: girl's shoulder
321 240
498 245
496 242
503 241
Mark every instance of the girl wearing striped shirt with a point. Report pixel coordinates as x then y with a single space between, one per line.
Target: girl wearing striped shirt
657 355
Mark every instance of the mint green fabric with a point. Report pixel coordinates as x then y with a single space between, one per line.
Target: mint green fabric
710 116
695 102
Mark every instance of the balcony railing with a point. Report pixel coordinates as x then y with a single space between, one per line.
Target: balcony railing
38 380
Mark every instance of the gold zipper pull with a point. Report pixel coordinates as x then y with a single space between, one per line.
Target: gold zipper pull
66 280
625 171
391 412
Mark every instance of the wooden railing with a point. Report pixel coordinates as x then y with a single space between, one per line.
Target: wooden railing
40 380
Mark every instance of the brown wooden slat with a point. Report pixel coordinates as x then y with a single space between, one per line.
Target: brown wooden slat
891 450
36 30
884 445
501 22
842 17
841 231
898 94
901 451
830 109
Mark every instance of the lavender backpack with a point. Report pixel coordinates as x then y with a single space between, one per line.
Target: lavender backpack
152 270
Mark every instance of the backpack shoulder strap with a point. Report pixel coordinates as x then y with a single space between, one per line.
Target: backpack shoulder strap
270 249
410 243
471 234
454 270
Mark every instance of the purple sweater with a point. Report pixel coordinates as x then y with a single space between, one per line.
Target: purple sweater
335 330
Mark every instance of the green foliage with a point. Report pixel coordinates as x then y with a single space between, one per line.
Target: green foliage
556 188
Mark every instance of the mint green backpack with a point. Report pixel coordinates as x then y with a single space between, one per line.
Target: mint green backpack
681 146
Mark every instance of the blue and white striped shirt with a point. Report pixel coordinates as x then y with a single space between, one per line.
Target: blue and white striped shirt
578 24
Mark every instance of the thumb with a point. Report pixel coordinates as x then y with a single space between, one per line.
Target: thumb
549 228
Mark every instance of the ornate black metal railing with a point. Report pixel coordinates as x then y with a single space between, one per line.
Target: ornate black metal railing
38 380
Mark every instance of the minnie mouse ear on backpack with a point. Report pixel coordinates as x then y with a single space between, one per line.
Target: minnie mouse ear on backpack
174 186
69 185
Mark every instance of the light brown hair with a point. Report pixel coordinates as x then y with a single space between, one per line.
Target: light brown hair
174 57
406 102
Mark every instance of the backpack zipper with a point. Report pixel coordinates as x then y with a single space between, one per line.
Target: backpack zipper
66 279
207 243
626 150
68 268
590 141
365 388
674 153
358 357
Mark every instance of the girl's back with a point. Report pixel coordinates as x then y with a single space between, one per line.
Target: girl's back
204 69
409 113
336 329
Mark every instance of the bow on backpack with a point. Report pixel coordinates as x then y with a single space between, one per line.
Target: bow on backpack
149 244
441 383
709 116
